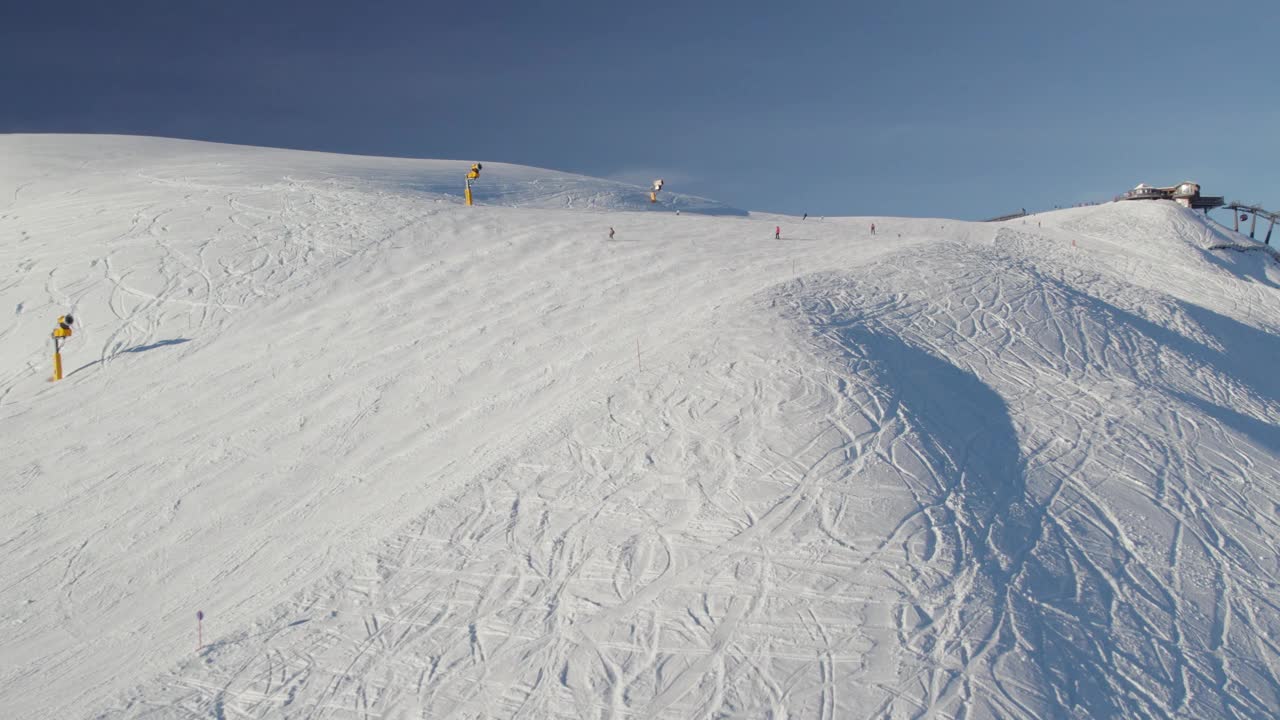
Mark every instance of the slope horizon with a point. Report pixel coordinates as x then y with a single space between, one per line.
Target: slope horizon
968 111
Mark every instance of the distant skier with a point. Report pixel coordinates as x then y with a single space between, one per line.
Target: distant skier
777 232
873 228
610 233
806 216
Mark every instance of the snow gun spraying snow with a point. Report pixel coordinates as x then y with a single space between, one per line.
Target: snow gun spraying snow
60 333
657 187
474 174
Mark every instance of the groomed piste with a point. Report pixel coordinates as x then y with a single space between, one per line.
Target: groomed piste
413 459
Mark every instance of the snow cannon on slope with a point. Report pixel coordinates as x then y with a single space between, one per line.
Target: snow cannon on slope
653 193
60 333
473 174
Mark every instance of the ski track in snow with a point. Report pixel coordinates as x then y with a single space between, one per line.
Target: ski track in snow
405 457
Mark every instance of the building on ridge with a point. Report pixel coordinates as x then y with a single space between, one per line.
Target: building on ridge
1186 194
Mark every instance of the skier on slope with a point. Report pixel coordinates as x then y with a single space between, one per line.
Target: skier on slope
777 232
610 233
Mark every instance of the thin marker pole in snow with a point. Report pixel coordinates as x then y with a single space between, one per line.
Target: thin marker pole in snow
199 630
638 368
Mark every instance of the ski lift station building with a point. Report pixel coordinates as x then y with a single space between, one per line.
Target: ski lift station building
1186 194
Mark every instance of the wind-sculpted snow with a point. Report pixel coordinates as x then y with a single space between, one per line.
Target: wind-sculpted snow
1128 567
413 459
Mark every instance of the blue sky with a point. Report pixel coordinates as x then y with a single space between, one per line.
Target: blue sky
927 108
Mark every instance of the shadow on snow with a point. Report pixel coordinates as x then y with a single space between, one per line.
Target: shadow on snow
1020 615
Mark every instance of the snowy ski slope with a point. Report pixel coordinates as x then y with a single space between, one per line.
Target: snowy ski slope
418 460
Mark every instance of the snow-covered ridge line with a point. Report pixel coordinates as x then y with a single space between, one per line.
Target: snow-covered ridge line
168 160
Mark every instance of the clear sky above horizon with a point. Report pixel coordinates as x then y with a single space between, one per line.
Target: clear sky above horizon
925 108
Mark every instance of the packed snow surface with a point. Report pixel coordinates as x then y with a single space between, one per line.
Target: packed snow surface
413 459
